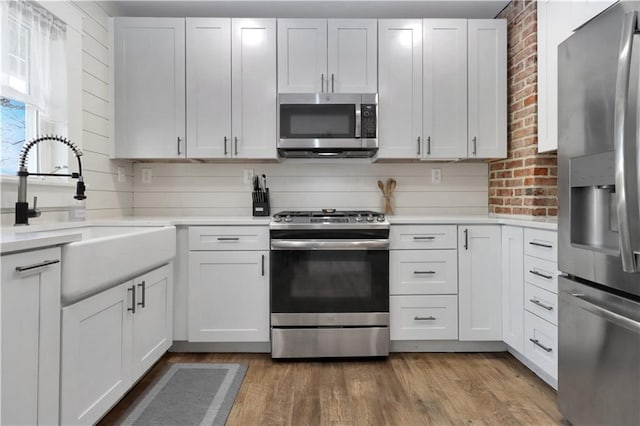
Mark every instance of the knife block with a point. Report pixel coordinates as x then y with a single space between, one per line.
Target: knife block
261 205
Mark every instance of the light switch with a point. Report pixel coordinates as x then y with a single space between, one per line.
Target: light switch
436 176
146 176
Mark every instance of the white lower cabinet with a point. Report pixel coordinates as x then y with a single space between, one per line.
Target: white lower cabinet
424 317
109 340
423 272
228 296
541 343
30 298
513 287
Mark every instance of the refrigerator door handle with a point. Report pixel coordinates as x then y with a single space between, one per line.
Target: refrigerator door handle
616 318
629 29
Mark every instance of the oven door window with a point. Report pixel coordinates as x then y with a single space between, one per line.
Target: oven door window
323 121
319 281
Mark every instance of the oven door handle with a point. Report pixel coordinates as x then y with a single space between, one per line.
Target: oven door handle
382 244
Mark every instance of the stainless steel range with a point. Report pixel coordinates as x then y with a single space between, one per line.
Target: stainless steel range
329 284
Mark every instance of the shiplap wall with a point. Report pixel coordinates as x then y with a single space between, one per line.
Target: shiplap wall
105 195
218 189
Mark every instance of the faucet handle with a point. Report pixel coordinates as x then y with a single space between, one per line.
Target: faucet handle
34 212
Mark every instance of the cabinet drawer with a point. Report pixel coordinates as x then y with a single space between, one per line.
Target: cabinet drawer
228 238
541 343
423 272
541 302
542 244
423 317
411 237
541 273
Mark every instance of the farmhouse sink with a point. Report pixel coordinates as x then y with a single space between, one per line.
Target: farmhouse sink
109 255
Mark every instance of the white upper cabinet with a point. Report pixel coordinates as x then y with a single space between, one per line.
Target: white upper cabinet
324 56
352 55
208 87
254 93
400 88
149 87
444 69
556 21
487 88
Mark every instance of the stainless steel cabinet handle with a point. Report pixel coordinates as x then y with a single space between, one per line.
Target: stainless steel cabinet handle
428 145
332 83
466 239
622 164
424 318
542 305
540 345
263 265
235 140
540 274
534 243
132 289
424 272
225 145
179 140
37 265
143 286
475 145
322 83
228 238
424 238
418 145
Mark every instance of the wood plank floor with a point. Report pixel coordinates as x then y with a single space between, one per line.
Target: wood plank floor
404 389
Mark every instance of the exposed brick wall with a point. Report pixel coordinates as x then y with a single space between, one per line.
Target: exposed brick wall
524 183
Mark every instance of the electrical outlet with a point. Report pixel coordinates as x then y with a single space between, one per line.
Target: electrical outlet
436 176
248 175
146 176
121 175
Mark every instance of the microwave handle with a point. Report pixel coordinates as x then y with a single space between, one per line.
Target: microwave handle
358 120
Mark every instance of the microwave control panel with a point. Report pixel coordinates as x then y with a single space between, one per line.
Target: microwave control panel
368 121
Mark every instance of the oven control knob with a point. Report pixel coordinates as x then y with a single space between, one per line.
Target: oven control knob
359 218
380 218
288 219
369 218
277 219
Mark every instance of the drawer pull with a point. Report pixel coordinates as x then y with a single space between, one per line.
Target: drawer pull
424 272
424 238
540 345
540 274
228 238
37 265
132 289
534 243
542 305
424 318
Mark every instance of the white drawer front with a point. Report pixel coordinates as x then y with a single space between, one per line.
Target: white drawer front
411 237
228 238
423 272
541 273
541 343
423 317
541 302
542 244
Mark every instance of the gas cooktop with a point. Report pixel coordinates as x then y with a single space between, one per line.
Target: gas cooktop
328 217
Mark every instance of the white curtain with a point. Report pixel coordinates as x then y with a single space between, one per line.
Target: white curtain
34 61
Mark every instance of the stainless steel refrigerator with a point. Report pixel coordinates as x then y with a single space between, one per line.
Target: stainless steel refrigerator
599 220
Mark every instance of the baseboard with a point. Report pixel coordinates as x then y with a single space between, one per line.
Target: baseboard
252 347
446 346
531 366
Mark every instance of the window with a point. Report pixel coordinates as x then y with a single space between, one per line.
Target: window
33 86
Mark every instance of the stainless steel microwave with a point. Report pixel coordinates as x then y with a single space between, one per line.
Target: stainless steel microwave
327 125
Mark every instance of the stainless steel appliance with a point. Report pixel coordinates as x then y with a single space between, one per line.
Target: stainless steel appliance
327 125
599 221
329 284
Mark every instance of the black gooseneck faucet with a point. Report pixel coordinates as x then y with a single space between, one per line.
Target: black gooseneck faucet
23 212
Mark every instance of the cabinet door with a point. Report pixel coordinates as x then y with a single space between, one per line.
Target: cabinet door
30 338
229 296
444 67
480 288
302 55
254 102
149 87
352 55
400 88
153 320
487 88
208 87
96 354
513 287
